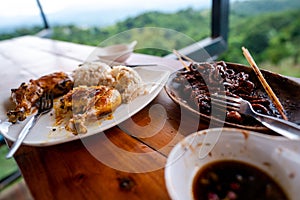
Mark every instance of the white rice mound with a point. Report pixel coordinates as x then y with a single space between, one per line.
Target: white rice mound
128 82
92 74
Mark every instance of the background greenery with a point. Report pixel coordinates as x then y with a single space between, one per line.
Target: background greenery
270 29
8 166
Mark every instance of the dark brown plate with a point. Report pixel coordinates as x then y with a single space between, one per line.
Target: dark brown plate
287 91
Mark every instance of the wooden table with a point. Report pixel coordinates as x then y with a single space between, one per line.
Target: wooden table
135 167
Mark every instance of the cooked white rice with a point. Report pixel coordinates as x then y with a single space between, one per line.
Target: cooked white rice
128 82
90 73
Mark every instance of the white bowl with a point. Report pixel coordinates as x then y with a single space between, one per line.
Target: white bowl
275 155
118 53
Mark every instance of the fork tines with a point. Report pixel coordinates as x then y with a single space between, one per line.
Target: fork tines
46 102
231 103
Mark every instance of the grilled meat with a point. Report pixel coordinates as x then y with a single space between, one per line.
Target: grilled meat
58 83
26 96
86 104
204 79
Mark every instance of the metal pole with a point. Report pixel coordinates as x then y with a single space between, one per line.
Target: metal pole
46 25
220 21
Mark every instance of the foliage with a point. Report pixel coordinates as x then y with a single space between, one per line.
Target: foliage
271 38
7 166
20 32
257 7
183 22
270 29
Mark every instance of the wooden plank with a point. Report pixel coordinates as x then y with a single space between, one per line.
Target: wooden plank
165 126
35 61
20 64
77 169
126 161
69 50
61 171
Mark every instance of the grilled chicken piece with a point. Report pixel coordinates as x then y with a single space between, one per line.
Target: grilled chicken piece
87 104
57 83
27 95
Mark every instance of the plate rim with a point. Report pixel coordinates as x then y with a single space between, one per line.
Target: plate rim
49 142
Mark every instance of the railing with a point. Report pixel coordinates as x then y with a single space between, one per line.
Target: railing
46 32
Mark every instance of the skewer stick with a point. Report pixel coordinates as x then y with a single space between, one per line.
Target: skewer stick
185 57
179 57
264 83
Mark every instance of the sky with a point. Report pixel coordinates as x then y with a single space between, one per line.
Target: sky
20 13
13 8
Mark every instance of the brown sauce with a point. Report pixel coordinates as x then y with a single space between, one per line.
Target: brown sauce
233 180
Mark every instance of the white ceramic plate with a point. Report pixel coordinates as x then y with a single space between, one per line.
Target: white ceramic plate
43 133
275 155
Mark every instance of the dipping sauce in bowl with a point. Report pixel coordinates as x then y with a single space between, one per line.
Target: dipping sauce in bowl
232 180
227 164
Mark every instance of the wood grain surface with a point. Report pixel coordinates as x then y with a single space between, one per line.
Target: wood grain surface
125 162
76 169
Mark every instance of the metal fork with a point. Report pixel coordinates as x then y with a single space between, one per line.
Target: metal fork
44 106
280 126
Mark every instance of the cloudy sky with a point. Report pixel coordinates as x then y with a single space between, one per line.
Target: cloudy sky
12 8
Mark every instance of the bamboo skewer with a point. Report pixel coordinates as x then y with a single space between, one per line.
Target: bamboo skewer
264 83
179 57
185 57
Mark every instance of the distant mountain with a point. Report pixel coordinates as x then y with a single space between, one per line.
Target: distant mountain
93 16
87 16
255 7
81 17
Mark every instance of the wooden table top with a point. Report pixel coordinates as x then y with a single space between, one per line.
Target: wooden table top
115 165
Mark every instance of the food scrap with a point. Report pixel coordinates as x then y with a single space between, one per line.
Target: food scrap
90 92
84 104
27 95
203 79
